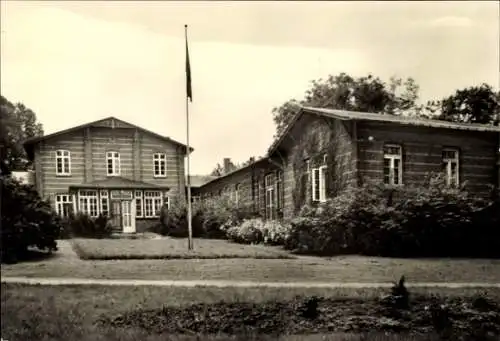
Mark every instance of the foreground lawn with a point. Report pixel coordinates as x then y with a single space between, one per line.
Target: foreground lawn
171 248
65 263
70 312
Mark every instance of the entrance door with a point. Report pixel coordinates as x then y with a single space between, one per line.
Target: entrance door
116 214
128 216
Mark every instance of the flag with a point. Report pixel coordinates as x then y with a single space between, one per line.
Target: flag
189 91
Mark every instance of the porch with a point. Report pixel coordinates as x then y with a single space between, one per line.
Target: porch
125 202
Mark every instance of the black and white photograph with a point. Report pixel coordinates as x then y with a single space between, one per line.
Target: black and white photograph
250 170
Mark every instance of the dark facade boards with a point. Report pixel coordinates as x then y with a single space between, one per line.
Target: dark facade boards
323 151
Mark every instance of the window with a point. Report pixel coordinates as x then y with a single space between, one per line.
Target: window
160 165
450 165
104 203
113 163
279 189
237 193
166 200
63 162
270 197
64 204
319 184
88 203
138 204
152 203
393 174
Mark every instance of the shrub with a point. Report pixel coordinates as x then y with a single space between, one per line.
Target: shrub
173 221
248 232
27 220
256 231
209 220
82 225
430 220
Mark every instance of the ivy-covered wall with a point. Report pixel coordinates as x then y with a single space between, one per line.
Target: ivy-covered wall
317 139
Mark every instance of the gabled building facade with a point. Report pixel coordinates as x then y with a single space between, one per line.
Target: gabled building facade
111 167
323 151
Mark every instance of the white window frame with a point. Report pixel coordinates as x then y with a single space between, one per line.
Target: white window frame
104 198
139 202
151 199
60 200
64 156
392 160
114 157
448 164
166 200
319 176
161 159
270 196
87 199
308 166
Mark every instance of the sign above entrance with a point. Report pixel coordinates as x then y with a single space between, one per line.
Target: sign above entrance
121 195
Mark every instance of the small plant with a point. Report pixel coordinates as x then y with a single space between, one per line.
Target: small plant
309 308
399 298
483 303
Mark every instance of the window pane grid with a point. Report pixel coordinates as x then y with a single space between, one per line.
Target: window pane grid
160 164
113 163
63 162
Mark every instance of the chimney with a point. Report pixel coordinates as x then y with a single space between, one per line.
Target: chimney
227 165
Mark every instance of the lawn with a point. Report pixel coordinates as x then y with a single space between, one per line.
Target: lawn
70 312
171 248
65 263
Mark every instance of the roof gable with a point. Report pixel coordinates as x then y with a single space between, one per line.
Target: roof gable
112 122
108 122
366 116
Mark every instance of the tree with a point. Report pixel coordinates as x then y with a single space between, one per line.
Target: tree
476 104
343 92
26 220
218 170
17 124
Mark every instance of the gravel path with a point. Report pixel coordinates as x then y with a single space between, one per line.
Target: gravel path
224 284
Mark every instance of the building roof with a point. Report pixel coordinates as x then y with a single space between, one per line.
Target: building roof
366 116
253 164
30 143
118 182
200 180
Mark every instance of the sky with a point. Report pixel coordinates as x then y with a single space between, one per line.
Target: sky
76 62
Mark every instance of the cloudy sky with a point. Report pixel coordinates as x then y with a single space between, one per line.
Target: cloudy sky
75 62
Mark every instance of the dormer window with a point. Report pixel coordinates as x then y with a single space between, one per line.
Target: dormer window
63 162
113 163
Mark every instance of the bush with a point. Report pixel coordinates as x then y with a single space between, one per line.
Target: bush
209 220
256 231
431 220
173 221
248 232
81 225
27 221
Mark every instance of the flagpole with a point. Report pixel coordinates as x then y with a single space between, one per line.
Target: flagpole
188 180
